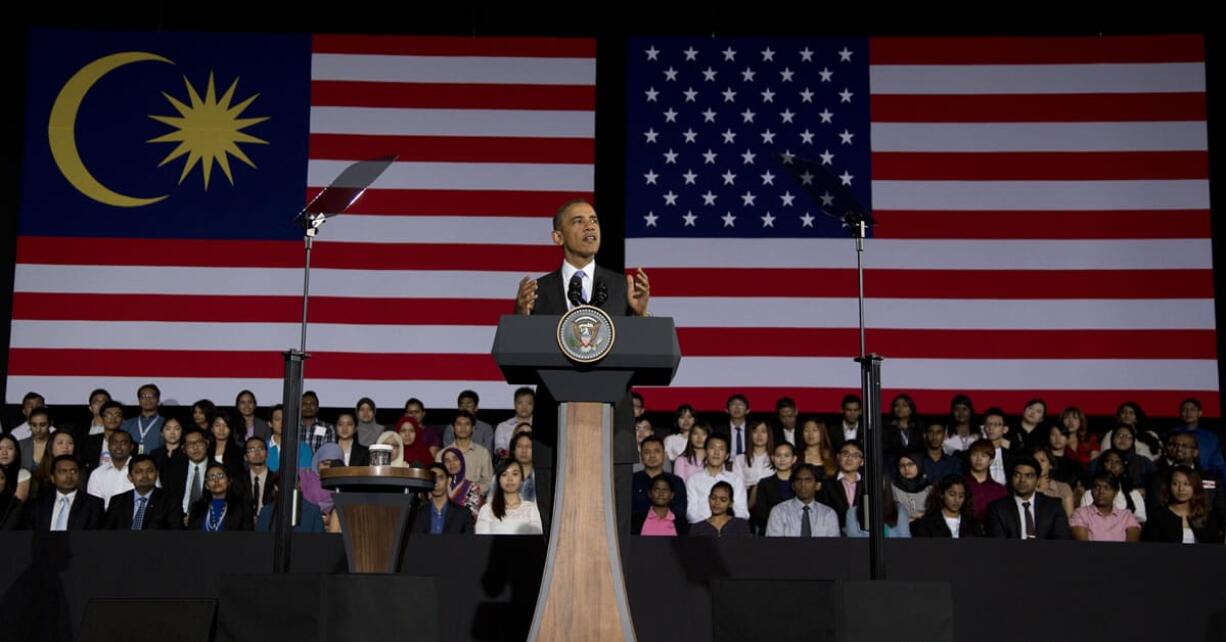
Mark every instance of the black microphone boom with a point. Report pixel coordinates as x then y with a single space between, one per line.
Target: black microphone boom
600 293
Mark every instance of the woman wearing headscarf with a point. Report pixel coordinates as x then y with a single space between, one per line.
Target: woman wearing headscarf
416 449
393 439
461 491
911 488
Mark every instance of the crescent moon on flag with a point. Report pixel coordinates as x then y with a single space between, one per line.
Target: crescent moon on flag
61 130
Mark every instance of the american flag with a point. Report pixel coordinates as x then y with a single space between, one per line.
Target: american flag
1041 213
491 135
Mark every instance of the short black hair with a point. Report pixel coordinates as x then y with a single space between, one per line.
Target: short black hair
151 386
1104 475
311 393
108 405
558 213
525 390
734 397
651 438
41 410
30 396
814 469
59 458
472 419
785 402
849 398
1025 460
136 459
98 391
468 394
993 411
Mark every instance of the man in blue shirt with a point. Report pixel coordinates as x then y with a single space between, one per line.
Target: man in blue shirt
146 428
1211 459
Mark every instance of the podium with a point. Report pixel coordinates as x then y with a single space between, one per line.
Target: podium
374 504
583 593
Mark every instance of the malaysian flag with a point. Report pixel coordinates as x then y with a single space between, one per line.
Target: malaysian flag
1041 214
200 289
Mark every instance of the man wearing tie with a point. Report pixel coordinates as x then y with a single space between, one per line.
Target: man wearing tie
184 478
738 428
803 515
145 507
1026 514
69 508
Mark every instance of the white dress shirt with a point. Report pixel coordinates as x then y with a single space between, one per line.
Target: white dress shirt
786 519
108 481
698 492
589 280
60 507
1021 515
850 432
954 524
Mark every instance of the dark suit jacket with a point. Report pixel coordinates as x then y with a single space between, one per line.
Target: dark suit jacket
89 451
359 455
640 517
457 521
1050 521
238 514
267 490
835 430
551 293
174 478
832 495
768 496
894 438
85 514
161 514
932 524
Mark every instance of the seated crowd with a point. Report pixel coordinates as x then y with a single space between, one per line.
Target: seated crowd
783 475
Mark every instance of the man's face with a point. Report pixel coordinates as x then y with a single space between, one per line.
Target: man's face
1024 479
463 428
579 235
804 484
112 418
148 399
256 454
524 405
440 483
310 407
935 436
1103 493
737 409
653 455
194 447
467 403
1190 413
787 417
417 412
66 476
661 493
275 420
40 426
851 413
994 427
1183 449
96 401
31 404
120 444
143 475
962 413
850 458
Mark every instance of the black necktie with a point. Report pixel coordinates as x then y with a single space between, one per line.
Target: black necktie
255 493
197 485
1029 520
806 529
574 293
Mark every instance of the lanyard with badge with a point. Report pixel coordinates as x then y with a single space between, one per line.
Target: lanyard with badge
144 430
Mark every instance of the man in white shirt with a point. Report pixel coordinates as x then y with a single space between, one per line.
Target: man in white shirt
994 430
525 401
478 467
803 515
66 509
29 402
111 478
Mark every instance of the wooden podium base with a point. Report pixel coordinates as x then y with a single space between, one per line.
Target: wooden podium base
583 594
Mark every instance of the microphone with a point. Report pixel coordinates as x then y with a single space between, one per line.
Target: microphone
574 292
600 293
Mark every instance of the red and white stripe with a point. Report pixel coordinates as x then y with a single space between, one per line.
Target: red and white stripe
491 134
1042 210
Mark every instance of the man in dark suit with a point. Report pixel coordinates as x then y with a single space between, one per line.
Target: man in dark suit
257 477
145 507
183 478
848 481
576 229
1026 514
438 515
69 508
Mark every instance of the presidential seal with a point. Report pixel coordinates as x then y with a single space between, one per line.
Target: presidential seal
586 334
